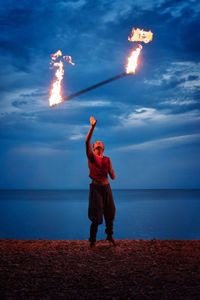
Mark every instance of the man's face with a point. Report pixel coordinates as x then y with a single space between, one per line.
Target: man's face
98 148
99 151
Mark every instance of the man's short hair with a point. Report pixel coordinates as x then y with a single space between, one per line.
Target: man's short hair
98 144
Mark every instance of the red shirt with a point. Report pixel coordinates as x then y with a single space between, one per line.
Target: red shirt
99 166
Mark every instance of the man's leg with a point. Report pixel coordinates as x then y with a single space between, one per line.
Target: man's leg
109 230
95 211
109 226
109 213
93 232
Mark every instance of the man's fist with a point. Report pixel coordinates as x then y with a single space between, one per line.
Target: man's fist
92 121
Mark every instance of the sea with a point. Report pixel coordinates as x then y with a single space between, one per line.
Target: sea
63 215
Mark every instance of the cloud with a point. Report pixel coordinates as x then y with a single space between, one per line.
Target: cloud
144 116
177 85
179 102
76 137
38 150
84 103
178 73
162 142
76 5
117 10
177 8
19 103
140 116
154 82
193 77
24 100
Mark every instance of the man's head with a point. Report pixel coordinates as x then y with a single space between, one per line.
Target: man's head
98 148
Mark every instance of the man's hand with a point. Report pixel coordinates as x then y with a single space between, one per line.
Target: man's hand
93 121
89 134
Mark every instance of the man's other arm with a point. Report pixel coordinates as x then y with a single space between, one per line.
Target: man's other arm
111 171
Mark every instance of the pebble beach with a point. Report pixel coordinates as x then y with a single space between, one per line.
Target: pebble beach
70 269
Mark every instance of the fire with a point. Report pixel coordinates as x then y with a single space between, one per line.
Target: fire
139 35
54 56
68 59
133 60
58 59
56 97
55 94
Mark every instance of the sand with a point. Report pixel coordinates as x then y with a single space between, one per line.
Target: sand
134 269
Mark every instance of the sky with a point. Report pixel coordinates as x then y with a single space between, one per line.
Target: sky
149 122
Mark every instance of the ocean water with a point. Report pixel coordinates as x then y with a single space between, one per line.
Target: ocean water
62 214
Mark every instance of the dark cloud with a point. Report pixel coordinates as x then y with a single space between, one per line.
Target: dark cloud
165 86
19 103
192 77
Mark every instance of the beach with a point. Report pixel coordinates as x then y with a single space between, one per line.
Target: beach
70 269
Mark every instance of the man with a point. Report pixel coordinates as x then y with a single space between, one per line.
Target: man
101 201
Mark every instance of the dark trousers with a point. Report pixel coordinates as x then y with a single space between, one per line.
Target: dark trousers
101 203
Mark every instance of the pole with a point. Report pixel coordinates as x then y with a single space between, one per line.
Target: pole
95 86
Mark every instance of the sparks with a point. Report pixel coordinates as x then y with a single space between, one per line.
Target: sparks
133 60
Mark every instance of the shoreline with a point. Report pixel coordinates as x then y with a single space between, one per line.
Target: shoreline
70 269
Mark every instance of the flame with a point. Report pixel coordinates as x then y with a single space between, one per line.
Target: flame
55 55
133 60
68 59
139 35
55 94
56 97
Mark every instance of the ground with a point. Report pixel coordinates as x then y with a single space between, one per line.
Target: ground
134 269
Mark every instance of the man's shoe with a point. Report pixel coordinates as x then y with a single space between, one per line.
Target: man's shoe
92 242
110 239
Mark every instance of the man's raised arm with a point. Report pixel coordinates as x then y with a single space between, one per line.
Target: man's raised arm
89 136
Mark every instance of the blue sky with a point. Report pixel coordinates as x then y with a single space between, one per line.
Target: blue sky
149 122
